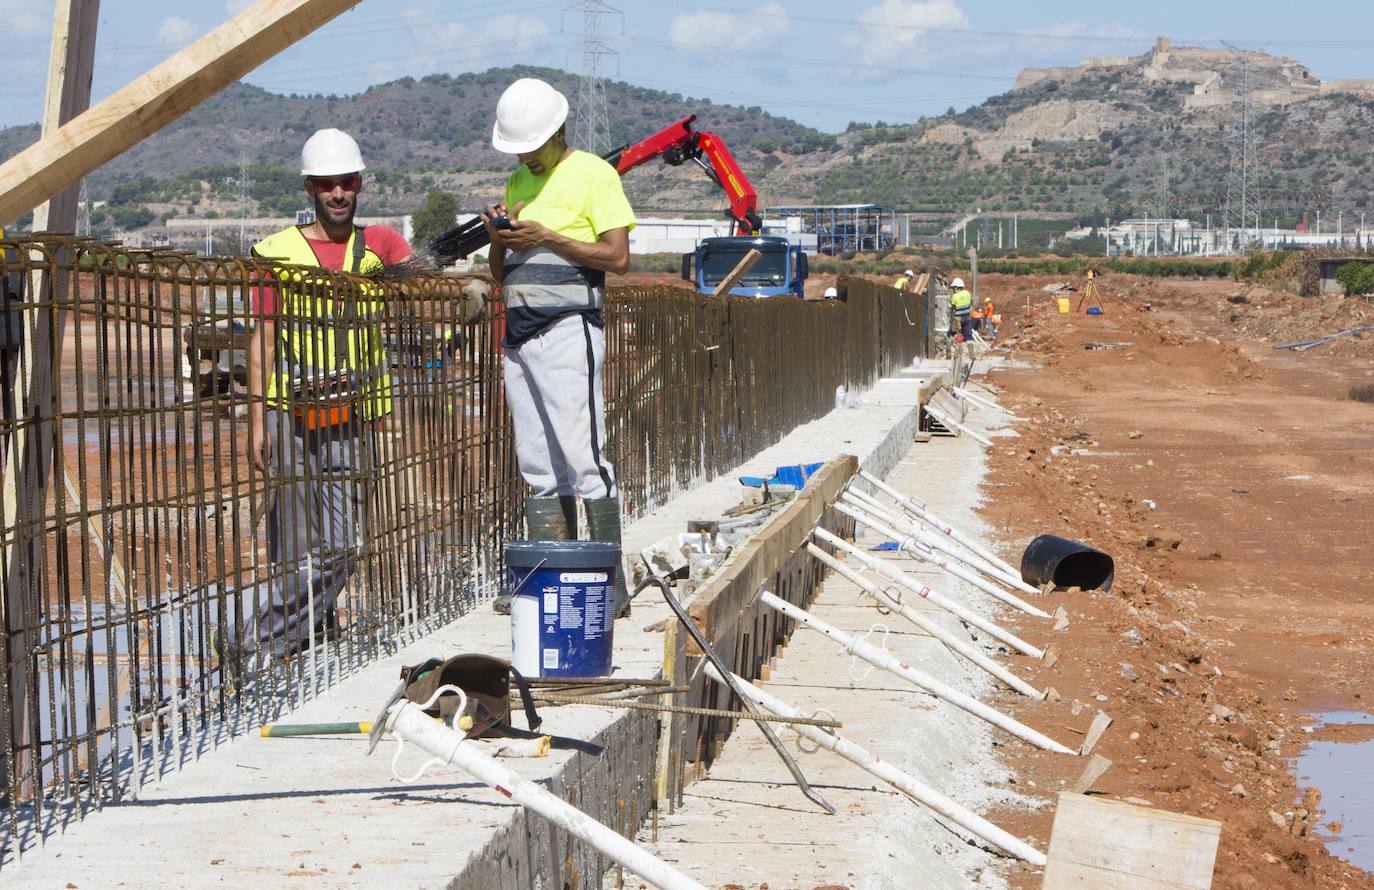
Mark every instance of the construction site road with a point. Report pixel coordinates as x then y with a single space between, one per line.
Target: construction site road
1231 482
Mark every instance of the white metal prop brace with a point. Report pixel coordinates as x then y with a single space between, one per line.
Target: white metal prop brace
960 646
961 612
943 543
901 780
920 511
924 551
940 415
984 403
406 720
881 658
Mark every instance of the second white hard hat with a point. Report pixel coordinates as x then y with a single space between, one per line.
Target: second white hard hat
958 282
331 153
527 114
831 293
909 274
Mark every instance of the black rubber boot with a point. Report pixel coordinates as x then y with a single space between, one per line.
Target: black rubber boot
603 520
547 519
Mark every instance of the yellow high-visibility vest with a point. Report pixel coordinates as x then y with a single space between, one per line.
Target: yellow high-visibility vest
961 301
901 282
309 318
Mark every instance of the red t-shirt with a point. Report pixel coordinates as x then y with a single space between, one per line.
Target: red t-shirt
384 241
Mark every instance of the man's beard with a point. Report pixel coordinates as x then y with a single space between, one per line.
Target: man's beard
322 212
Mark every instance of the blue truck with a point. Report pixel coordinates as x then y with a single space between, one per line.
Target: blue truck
780 271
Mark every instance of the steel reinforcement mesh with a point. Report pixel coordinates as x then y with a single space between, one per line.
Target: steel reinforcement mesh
135 525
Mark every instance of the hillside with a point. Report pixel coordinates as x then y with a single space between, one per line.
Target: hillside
416 134
1114 136
1125 135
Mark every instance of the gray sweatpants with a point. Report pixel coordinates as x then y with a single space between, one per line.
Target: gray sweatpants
553 388
314 530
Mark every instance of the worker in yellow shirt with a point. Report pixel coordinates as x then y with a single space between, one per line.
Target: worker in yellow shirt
904 279
565 223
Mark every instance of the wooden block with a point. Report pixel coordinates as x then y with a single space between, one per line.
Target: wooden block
1099 726
1108 844
922 437
1061 618
1091 773
1051 656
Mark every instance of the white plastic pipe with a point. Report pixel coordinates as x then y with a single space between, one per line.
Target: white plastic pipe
959 611
897 778
943 543
944 418
960 646
885 660
919 510
985 403
413 725
923 551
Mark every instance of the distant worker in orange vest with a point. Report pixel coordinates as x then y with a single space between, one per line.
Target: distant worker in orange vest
983 320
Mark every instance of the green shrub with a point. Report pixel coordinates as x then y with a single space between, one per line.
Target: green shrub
1356 279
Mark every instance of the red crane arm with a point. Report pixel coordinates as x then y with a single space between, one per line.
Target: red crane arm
679 143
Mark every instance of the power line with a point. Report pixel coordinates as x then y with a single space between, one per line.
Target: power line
592 125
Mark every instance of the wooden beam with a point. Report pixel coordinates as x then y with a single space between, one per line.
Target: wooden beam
741 268
70 66
30 452
157 98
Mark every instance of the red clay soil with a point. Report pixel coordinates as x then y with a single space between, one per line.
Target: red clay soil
1230 483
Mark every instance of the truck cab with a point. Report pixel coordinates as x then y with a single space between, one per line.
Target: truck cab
780 271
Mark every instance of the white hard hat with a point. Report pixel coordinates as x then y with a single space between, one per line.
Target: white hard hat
958 282
908 273
331 153
527 114
831 293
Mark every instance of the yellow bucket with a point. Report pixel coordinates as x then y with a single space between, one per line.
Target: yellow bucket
1063 305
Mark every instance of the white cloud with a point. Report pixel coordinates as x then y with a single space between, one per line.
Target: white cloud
25 18
176 31
234 7
448 47
728 30
893 34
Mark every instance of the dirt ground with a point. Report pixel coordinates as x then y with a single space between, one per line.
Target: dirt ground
1227 480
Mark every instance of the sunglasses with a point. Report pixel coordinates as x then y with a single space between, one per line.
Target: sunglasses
350 183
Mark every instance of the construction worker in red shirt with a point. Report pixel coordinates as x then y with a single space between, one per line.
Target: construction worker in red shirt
319 382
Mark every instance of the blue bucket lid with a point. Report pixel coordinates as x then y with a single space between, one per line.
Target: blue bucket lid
562 554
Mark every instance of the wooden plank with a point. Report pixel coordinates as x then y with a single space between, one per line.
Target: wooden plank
157 98
1105 843
1095 769
741 269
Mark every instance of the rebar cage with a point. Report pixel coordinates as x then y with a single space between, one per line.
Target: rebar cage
135 524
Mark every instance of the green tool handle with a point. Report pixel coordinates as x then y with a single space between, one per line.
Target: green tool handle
286 731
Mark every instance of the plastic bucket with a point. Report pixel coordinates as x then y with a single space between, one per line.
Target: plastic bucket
1066 563
1063 305
562 614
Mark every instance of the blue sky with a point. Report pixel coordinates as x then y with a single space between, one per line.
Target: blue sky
821 63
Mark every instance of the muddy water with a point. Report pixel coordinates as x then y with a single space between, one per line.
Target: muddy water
1342 769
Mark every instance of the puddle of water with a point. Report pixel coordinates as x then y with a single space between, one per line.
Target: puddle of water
1344 774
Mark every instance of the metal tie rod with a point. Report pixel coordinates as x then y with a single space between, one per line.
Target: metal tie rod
942 543
959 646
881 658
920 511
406 720
958 610
924 551
900 779
712 658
